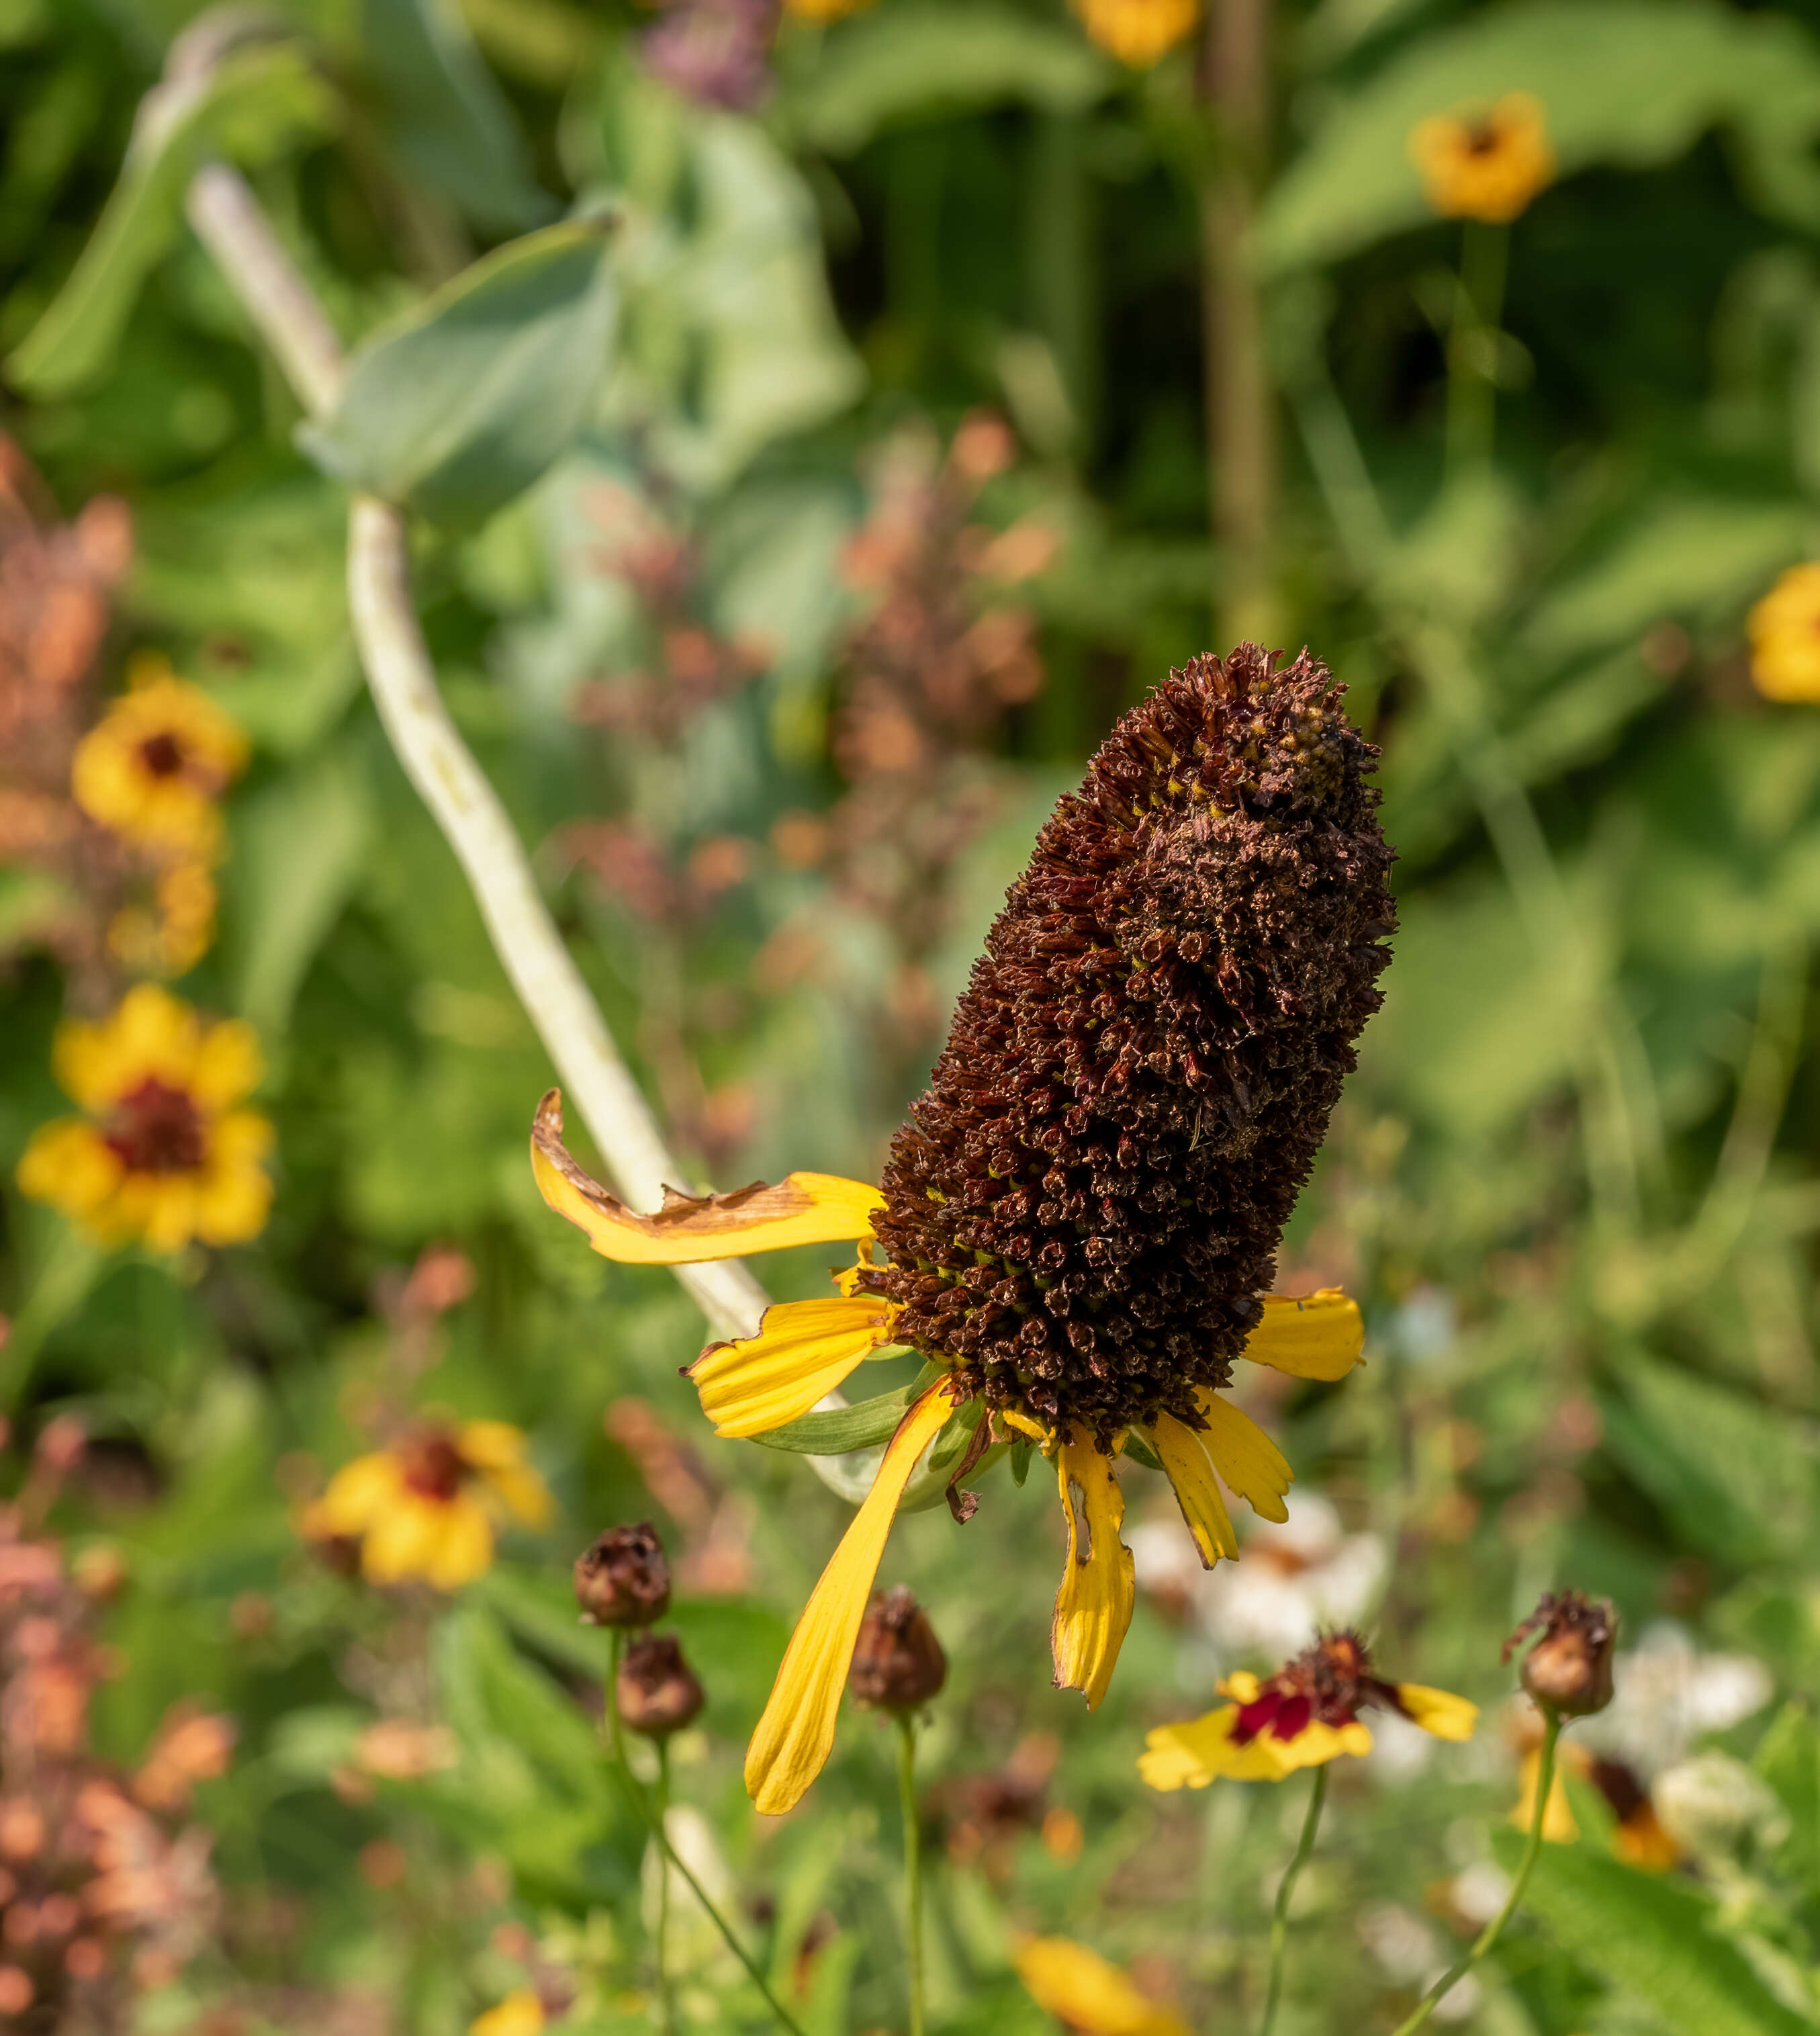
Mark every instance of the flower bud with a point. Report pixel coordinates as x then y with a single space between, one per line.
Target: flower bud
897 1662
1568 1671
623 1580
657 1691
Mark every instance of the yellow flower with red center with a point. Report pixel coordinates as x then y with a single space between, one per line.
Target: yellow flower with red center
430 1504
1138 33
163 1154
1089 1994
153 768
1784 630
1637 1835
1304 1716
1486 165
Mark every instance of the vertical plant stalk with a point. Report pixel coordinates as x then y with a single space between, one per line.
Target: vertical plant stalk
1241 416
661 1939
1472 344
1286 1890
1493 1930
913 1866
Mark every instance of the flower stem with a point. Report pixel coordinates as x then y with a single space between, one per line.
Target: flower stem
912 1865
1531 1852
653 1824
1280 1917
666 2014
1472 360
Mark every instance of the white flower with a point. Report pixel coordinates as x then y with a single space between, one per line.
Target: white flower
1668 1694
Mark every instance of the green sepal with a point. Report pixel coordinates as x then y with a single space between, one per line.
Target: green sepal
844 1428
1139 1451
1020 1456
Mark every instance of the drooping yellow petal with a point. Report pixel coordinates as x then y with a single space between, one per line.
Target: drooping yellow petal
792 1742
1099 1584
802 1349
802 1208
1245 1457
1191 1754
1438 1711
1185 1457
1320 1335
1089 1994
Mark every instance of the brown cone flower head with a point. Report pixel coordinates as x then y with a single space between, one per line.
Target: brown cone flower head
657 1691
1087 1203
897 1663
623 1579
1569 1669
1325 1684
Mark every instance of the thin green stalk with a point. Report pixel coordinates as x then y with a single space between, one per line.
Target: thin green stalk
1489 1935
666 2012
1280 1917
912 1865
1477 305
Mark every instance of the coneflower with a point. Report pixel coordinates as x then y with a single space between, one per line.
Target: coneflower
1079 1224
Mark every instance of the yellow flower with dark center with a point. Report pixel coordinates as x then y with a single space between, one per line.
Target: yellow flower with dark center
519 2014
1637 1836
429 1505
1089 1994
1487 165
163 1154
153 768
1304 1716
1784 630
1078 1227
1138 31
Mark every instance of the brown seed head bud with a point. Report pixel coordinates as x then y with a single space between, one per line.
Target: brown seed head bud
657 1692
623 1580
897 1663
1568 1671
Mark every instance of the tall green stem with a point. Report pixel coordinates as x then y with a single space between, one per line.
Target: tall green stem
1279 1915
912 1865
1472 357
1531 1852
666 2013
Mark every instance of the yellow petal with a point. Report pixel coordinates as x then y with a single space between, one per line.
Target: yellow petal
792 1742
1088 1992
463 1544
802 1208
70 1166
1191 1754
1245 1457
229 1064
1099 1585
520 2014
1437 1711
489 1444
358 1493
1319 1336
404 1539
1190 1470
802 1349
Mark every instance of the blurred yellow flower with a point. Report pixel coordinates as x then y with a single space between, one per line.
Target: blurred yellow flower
172 934
163 1154
1637 1837
153 767
1487 166
1138 31
823 10
427 1506
1089 1993
1784 630
519 2014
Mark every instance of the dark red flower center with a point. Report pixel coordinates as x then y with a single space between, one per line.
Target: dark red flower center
155 1129
162 755
433 1467
1328 1684
1483 138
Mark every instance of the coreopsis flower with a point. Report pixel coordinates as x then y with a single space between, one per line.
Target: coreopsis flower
163 1152
1486 165
1077 1227
1138 31
519 2014
1785 633
429 1505
1089 1993
1638 1837
154 767
1304 1715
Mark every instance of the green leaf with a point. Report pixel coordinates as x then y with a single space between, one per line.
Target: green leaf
863 1426
1657 1938
1635 82
1788 1759
462 404
256 104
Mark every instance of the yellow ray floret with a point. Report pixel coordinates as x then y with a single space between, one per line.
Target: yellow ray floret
1099 1585
1245 1456
802 1208
519 2014
1437 1711
1319 1336
1089 1994
802 1349
794 1736
1185 1458
1191 1754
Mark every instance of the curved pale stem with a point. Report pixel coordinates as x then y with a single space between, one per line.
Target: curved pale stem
1279 1915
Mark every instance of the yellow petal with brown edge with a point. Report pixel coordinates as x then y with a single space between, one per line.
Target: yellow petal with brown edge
792 1742
1099 1585
802 1349
802 1208
1089 1993
1247 1459
1437 1711
1320 1335
1184 1457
